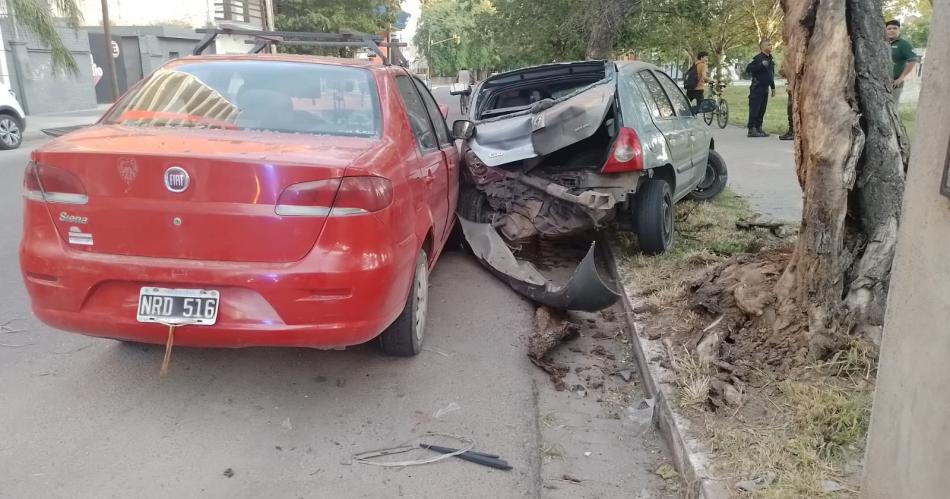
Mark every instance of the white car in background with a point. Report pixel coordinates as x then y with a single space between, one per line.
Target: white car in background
12 119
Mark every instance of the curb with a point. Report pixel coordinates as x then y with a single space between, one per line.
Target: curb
689 455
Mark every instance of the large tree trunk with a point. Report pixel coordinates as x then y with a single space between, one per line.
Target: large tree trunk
606 18
850 151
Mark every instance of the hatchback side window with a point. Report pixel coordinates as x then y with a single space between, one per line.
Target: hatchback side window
438 121
418 116
676 95
663 107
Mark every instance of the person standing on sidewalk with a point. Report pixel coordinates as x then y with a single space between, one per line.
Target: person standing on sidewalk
762 72
790 134
695 80
902 55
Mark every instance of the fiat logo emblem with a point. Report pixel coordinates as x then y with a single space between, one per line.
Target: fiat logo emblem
177 179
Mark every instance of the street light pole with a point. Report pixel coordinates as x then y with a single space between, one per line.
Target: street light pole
110 62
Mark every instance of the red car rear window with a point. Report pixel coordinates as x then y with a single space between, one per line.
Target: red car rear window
278 96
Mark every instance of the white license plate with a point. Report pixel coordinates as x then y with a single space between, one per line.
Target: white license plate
178 306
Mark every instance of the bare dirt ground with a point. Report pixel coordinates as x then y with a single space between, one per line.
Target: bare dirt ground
778 423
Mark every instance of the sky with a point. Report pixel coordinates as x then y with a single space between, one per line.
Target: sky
414 8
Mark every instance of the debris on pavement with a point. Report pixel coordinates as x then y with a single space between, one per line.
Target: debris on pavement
550 328
287 425
490 460
666 471
642 414
229 473
369 456
433 350
761 482
626 374
569 478
453 407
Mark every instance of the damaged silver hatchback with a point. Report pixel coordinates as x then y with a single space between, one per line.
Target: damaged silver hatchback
563 149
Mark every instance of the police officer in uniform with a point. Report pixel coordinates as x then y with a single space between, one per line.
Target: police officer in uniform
762 72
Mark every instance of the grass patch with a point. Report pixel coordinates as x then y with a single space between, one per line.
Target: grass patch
908 114
692 379
776 114
818 433
706 234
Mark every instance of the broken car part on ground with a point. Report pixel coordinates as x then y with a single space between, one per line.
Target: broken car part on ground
559 150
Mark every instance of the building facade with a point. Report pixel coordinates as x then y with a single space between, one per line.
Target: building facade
143 38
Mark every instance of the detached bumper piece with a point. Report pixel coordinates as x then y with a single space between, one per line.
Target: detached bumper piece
587 289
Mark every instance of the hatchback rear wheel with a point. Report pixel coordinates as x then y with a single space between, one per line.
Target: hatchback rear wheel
654 217
404 337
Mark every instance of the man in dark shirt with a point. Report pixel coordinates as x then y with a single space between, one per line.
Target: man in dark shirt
762 72
902 55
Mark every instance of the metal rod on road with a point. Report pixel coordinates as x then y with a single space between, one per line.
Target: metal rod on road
110 62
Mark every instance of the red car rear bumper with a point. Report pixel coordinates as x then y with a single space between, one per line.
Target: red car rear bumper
345 292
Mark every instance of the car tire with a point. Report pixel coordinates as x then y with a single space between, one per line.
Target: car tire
473 205
654 217
11 131
404 337
714 182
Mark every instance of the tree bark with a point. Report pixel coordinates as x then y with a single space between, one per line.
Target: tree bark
850 153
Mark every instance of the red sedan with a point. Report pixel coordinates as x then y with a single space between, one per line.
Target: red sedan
256 200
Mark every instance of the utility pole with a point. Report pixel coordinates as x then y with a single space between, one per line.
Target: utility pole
110 60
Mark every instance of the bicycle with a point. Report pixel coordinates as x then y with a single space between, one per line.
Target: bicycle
721 114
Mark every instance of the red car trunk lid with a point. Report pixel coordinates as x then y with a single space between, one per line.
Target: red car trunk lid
229 184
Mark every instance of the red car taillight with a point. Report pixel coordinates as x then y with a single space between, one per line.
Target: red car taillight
53 185
627 153
336 197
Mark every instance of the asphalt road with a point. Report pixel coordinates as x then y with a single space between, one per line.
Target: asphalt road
84 417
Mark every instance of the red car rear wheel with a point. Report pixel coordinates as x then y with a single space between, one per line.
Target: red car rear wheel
404 337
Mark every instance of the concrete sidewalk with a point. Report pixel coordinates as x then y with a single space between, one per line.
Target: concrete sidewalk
35 123
763 171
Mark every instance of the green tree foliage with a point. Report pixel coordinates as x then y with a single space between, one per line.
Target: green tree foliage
331 16
506 34
458 34
532 32
917 30
39 16
676 30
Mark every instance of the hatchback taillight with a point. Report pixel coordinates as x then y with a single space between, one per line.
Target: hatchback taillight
53 185
336 197
627 153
